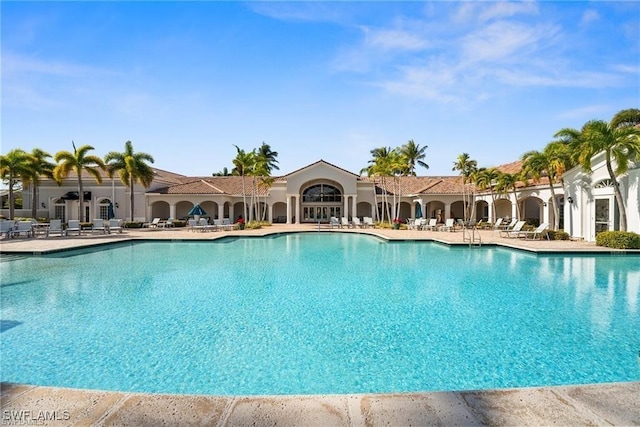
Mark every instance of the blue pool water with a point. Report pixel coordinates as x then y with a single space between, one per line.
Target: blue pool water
317 313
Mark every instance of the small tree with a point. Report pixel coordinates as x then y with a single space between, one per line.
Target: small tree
77 162
132 168
14 166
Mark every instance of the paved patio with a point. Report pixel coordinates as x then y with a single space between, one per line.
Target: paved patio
603 404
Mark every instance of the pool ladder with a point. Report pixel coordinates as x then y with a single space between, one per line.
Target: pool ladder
470 234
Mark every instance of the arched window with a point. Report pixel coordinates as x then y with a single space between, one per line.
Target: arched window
604 183
322 193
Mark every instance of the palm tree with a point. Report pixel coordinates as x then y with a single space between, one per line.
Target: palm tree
506 182
14 166
38 166
77 162
414 155
269 157
485 178
380 166
466 166
551 162
132 168
223 172
620 144
242 163
626 118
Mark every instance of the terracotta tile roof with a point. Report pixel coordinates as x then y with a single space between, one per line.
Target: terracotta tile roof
422 184
513 167
230 185
160 175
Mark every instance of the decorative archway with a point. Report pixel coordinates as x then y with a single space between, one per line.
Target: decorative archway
320 201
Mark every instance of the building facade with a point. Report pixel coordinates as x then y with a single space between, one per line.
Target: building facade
321 190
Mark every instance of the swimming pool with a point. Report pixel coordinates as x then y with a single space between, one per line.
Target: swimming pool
317 313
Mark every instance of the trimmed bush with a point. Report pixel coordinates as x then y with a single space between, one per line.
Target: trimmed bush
132 224
618 239
558 235
179 223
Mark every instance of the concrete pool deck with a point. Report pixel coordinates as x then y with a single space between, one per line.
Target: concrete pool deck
600 404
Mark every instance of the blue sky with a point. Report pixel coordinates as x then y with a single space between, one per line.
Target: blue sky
185 81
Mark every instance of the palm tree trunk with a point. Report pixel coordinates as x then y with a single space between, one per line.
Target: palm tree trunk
131 197
80 197
34 199
618 195
11 197
554 206
515 198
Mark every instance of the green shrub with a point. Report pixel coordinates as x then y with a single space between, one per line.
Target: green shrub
251 225
618 239
132 224
558 235
179 223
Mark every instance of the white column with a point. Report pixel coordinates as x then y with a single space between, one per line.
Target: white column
514 209
288 209
354 205
345 207
447 211
297 201
220 210
172 210
490 211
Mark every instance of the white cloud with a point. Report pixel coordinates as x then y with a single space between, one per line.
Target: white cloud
394 39
503 9
503 39
585 113
486 11
589 16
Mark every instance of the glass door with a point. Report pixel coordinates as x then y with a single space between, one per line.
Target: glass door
603 215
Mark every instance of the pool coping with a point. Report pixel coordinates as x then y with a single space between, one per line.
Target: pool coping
603 404
599 404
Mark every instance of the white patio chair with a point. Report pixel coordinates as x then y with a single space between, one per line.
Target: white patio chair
74 225
55 227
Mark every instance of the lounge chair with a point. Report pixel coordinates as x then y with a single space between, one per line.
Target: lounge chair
114 225
6 227
22 227
498 225
74 225
448 225
227 224
193 224
152 224
537 233
55 227
514 232
97 226
368 222
203 225
166 224
345 222
357 223
334 222
431 225
509 226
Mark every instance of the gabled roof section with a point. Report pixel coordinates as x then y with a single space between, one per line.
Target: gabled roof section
319 162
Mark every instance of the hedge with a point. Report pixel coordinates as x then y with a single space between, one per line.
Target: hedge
618 239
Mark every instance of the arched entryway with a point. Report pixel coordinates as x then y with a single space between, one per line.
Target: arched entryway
320 201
